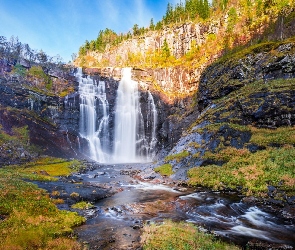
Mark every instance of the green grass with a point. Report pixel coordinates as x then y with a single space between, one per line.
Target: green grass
253 172
179 236
178 157
279 136
43 168
31 220
83 205
165 169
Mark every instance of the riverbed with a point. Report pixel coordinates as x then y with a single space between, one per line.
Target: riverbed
125 198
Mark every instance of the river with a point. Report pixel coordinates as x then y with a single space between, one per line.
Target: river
115 222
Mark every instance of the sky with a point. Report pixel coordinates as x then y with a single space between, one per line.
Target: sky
60 27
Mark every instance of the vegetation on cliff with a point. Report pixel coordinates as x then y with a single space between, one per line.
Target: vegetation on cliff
187 42
32 68
237 23
247 137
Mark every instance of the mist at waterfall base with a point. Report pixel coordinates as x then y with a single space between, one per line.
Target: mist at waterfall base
134 135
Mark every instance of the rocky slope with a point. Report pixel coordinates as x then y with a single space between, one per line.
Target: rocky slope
51 121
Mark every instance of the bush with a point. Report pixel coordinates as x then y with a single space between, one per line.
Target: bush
165 169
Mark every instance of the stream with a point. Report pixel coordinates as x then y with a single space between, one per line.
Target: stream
115 222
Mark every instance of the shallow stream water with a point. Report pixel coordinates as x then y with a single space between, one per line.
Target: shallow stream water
116 221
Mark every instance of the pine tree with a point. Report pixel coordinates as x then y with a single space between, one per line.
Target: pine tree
152 26
165 49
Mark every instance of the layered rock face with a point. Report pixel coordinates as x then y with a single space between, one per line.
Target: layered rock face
238 97
179 39
53 122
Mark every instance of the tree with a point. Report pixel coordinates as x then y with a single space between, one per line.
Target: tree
168 18
82 51
165 50
159 25
87 45
152 26
92 45
135 30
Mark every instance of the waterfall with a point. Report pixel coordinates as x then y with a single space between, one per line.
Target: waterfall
94 117
127 120
152 117
134 132
133 141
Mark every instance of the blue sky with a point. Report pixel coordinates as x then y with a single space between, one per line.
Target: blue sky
60 27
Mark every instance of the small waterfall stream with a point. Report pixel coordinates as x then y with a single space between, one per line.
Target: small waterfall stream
134 133
94 117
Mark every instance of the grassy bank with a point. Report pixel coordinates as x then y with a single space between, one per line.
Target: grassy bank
29 217
252 173
179 236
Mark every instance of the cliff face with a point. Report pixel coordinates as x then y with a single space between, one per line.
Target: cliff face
242 99
174 81
179 39
52 121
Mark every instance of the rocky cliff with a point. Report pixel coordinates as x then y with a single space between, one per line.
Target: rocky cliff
52 121
243 98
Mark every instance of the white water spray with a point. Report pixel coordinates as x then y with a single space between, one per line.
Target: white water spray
94 117
133 141
127 120
134 135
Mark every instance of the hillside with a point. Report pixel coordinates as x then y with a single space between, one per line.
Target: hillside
175 55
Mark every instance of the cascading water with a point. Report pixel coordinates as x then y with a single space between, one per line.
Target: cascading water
152 119
94 117
134 134
131 144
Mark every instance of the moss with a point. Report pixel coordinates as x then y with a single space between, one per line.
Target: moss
181 236
178 157
268 137
83 205
165 169
44 168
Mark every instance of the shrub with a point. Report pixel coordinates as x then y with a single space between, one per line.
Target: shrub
165 169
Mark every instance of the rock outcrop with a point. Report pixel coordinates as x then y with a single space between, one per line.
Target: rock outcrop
238 95
52 121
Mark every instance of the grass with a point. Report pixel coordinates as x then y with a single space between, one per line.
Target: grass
252 172
178 157
31 219
83 205
279 136
44 168
179 236
165 169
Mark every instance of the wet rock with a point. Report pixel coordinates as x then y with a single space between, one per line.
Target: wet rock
291 200
250 199
260 245
137 225
101 173
271 191
180 189
130 172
